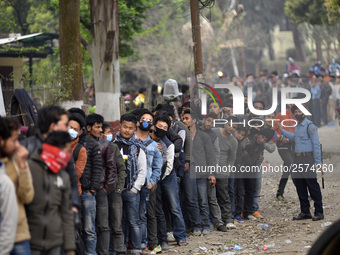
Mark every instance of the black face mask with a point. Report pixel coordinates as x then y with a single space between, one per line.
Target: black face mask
144 126
160 132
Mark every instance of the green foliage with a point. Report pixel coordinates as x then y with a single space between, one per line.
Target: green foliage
132 15
313 12
46 84
333 11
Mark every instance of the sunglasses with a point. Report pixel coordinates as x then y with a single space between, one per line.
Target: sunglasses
146 120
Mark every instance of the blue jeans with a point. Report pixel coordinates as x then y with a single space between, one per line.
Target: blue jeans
202 191
190 197
21 248
88 203
131 221
168 188
143 205
257 190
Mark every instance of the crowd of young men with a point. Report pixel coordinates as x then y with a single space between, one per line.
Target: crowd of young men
147 186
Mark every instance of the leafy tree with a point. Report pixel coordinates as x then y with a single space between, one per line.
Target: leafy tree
333 11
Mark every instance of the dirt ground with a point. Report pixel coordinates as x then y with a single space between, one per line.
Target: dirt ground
289 237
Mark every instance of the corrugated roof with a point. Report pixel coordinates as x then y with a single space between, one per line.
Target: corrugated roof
32 38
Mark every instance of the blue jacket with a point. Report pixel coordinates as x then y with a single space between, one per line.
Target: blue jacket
306 140
154 162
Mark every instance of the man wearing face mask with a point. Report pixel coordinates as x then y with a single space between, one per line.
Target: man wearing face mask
50 212
76 124
107 134
307 154
168 184
94 123
154 170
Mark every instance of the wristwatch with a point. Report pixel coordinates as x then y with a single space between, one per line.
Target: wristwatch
93 192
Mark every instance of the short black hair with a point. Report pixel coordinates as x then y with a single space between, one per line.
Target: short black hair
162 116
142 90
261 102
217 102
184 88
77 118
192 113
169 109
154 87
77 110
211 115
106 125
48 115
186 104
7 126
233 118
130 117
94 118
144 111
58 139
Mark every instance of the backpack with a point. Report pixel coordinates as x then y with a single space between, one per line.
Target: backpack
76 151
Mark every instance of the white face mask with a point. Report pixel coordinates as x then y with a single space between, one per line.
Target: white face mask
109 137
73 134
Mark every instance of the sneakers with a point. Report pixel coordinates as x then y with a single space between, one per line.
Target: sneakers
196 232
206 231
222 228
239 218
171 237
257 215
231 225
249 217
165 246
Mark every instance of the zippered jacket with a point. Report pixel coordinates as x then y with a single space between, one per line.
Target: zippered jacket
50 216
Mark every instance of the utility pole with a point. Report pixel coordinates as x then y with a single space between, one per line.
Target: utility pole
197 49
241 36
196 38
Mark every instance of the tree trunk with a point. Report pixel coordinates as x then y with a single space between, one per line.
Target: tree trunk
70 48
299 43
104 55
318 45
270 47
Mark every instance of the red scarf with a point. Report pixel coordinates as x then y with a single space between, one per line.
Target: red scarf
54 157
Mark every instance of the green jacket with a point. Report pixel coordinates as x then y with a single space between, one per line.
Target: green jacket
50 216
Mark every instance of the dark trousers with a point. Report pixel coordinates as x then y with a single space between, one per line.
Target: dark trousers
152 219
286 155
324 114
115 222
316 113
305 182
222 194
102 222
244 193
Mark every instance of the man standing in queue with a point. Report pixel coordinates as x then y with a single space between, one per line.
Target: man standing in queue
307 154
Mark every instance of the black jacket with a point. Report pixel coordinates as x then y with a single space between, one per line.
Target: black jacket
109 173
33 143
49 215
90 180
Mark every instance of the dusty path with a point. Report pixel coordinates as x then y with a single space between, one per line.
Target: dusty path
290 237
